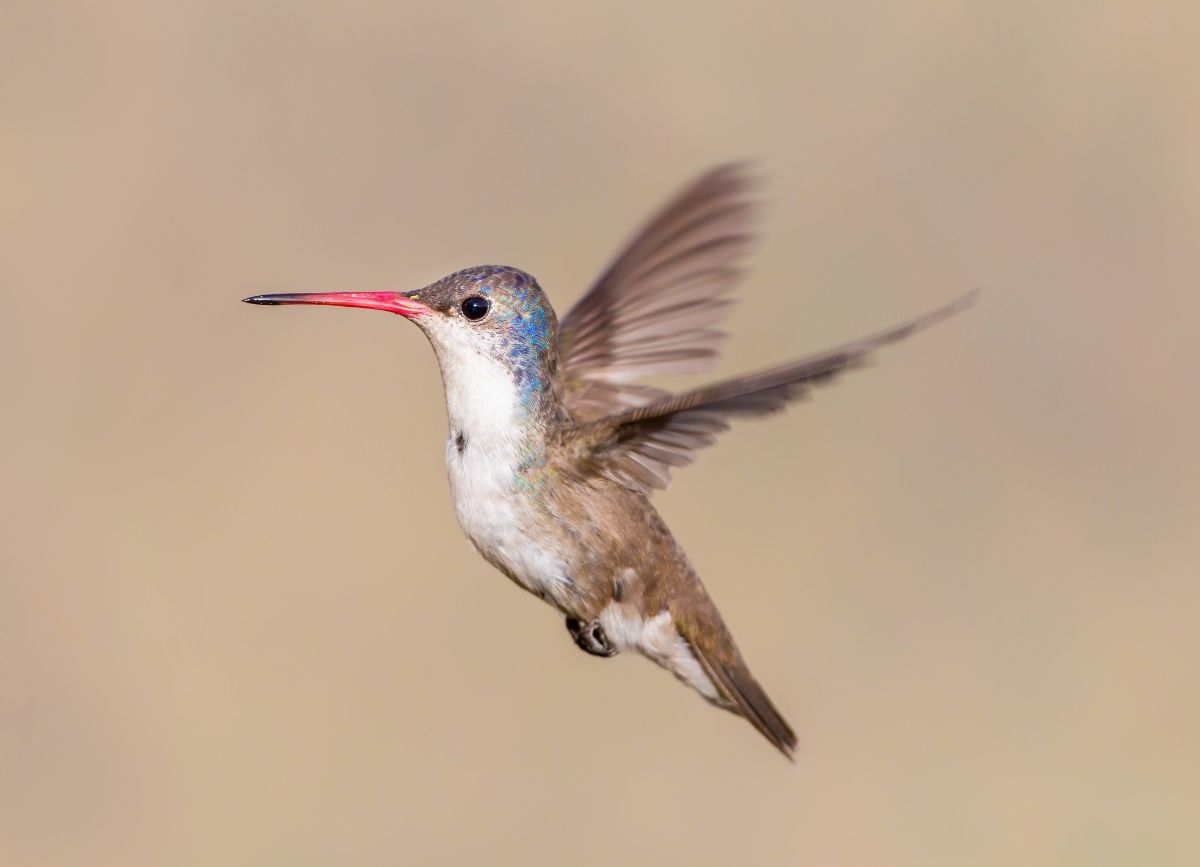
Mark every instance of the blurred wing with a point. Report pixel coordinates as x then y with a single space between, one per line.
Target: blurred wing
638 447
653 310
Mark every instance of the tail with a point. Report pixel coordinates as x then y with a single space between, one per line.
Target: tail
750 700
727 681
701 654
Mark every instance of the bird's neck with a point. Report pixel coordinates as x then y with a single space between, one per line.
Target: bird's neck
497 410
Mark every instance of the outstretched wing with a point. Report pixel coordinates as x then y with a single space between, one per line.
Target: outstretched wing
638 447
653 310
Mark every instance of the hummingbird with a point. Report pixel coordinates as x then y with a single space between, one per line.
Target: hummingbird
554 450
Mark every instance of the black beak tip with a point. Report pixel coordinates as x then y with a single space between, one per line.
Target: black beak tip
260 299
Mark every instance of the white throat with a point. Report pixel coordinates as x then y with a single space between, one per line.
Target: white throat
481 397
487 447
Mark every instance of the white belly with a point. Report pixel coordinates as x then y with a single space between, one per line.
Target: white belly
498 517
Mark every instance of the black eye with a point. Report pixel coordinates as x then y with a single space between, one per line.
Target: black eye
475 308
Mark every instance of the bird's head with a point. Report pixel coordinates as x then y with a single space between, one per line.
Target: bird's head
492 328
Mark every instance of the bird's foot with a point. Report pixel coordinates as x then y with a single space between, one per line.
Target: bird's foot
590 637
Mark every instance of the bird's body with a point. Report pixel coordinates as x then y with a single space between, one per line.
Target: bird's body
553 454
592 547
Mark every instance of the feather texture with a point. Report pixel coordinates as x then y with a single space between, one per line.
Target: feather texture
742 693
638 447
654 310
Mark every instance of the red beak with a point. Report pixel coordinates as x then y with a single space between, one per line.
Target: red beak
392 302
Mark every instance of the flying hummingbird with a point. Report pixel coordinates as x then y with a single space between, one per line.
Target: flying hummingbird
554 453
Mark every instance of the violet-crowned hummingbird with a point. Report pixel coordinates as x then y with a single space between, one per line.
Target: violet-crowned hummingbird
553 452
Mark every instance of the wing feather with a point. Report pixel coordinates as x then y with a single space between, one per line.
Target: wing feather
654 308
639 446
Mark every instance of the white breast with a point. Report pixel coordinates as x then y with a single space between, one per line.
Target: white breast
492 509
498 518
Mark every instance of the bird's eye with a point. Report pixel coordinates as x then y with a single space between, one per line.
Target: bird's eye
475 308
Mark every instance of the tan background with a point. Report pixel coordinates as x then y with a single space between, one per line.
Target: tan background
238 625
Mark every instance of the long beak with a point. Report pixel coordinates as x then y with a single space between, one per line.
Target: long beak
393 302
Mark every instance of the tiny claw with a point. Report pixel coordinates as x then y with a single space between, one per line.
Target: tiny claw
590 637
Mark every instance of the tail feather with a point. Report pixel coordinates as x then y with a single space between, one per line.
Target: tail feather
748 699
756 706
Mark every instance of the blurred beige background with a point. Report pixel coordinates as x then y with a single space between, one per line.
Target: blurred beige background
238 624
